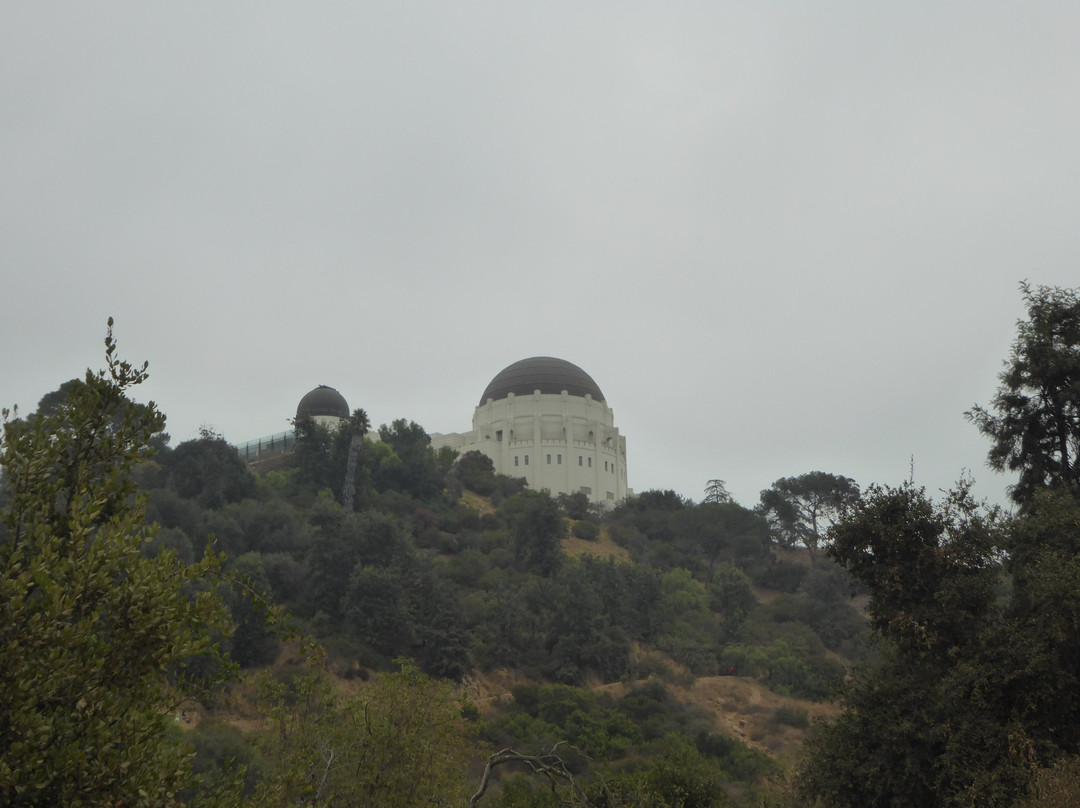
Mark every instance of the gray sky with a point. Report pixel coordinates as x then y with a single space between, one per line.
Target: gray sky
780 236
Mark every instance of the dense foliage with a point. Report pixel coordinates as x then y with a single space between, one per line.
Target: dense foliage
1034 420
971 699
383 550
98 641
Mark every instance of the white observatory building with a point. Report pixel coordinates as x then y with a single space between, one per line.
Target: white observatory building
546 420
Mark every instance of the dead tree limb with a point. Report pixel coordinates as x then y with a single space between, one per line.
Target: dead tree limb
548 765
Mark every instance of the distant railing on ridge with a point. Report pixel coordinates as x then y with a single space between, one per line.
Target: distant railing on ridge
271 444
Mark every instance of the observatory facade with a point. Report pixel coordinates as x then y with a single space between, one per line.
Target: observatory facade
546 420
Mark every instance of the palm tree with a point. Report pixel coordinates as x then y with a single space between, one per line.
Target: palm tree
358 426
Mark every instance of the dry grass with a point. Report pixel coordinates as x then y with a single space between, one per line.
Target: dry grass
603 547
741 707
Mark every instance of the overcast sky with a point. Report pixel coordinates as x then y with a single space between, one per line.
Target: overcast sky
781 237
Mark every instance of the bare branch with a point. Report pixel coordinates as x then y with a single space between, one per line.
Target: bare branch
548 765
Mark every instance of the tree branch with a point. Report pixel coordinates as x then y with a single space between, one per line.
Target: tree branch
549 765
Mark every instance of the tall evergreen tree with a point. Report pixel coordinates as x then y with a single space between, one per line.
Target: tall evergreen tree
1034 420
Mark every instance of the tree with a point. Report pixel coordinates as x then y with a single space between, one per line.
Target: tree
418 473
96 639
548 765
357 427
974 690
732 595
51 403
934 720
1034 420
801 509
575 505
723 531
716 493
254 641
209 470
476 472
313 457
536 528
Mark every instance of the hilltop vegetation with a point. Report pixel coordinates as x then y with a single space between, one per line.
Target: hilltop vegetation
440 562
625 653
471 577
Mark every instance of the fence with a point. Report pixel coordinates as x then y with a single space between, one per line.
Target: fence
271 444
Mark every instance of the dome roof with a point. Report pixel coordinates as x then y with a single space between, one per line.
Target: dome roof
544 373
323 401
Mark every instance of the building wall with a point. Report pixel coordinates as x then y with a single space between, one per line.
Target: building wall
560 442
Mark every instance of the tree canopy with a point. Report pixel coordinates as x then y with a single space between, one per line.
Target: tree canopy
801 509
1033 421
972 696
96 638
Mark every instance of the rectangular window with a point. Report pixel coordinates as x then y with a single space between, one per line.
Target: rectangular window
515 460
498 435
549 460
526 460
605 465
586 490
558 460
590 462
580 460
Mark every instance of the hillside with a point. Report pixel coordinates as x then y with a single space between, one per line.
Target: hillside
611 630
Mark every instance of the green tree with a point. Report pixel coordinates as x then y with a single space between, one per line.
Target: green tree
254 641
419 473
313 457
801 509
731 595
52 403
575 505
1034 420
536 528
95 637
210 471
476 472
716 493
723 530
934 720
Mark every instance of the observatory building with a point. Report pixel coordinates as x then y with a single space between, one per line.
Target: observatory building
546 420
325 405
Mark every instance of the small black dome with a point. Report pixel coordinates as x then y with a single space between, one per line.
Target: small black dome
324 401
544 373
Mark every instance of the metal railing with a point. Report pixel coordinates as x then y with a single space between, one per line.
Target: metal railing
271 444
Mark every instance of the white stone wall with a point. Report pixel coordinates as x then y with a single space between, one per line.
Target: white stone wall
560 442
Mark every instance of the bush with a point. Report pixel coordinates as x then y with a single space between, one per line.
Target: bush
220 751
792 717
783 576
586 530
735 757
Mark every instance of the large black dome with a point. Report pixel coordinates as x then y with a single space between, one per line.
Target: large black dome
544 373
323 401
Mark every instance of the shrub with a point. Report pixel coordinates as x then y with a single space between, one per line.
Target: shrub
792 717
586 530
783 576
